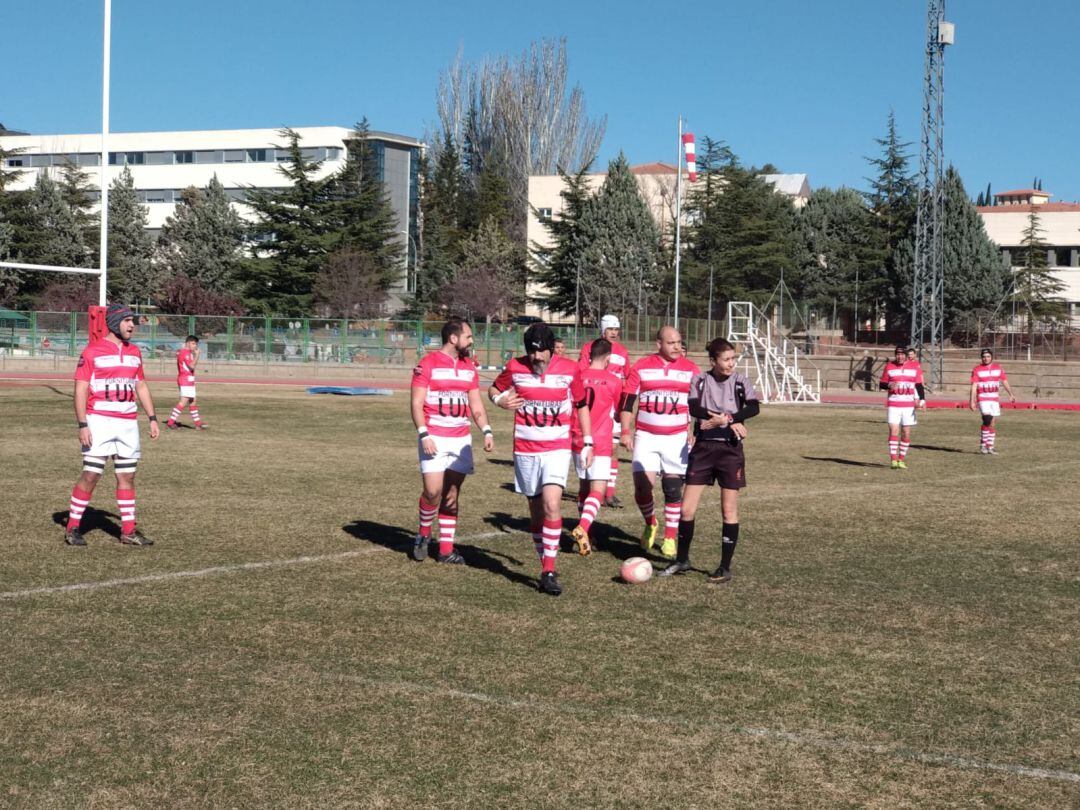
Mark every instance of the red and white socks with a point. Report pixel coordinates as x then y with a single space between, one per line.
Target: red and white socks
589 512
447 529
551 532
647 508
176 411
894 448
125 499
80 499
903 449
988 435
672 513
610 493
427 517
195 415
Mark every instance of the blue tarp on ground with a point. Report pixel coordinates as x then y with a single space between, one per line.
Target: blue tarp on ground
350 391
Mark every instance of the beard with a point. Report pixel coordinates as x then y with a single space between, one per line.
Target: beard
463 353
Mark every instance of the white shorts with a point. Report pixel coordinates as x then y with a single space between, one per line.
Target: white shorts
535 471
662 454
187 391
112 437
990 407
901 416
599 470
452 453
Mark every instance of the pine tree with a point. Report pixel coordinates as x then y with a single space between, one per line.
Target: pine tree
491 279
132 275
619 245
76 188
555 267
441 233
9 175
979 202
57 239
989 199
9 279
974 276
1035 286
203 239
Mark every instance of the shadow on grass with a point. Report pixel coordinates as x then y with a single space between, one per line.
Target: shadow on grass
846 461
936 448
55 390
394 538
502 462
92 518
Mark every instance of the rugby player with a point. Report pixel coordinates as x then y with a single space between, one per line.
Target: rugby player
186 360
659 385
445 392
986 380
903 379
602 392
619 365
542 389
109 386
720 401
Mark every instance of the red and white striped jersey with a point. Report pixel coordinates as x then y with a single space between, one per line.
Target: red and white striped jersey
185 367
988 380
662 388
602 390
902 379
113 370
542 423
619 364
448 381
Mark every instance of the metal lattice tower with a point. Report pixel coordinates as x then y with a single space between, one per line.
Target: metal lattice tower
927 305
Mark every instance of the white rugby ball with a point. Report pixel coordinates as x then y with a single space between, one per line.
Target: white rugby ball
636 570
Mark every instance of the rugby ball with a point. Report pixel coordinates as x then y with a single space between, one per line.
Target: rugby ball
636 570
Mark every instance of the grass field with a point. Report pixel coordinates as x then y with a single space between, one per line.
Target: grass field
890 639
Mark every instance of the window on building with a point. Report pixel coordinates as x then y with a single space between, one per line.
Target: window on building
159 158
40 160
208 156
158 195
543 213
15 162
183 157
333 153
234 155
256 155
311 153
89 159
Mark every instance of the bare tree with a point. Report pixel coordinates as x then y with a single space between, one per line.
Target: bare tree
348 286
521 111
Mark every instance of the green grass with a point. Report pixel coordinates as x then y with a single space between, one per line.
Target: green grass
887 636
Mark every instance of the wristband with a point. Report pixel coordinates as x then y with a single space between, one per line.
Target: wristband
587 441
422 432
496 398
82 425
486 430
153 417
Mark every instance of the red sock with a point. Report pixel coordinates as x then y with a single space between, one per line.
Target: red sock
991 437
672 511
176 411
894 449
648 510
195 414
125 499
427 517
79 501
447 527
610 493
588 512
552 531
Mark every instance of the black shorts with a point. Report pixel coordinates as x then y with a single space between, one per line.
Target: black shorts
717 462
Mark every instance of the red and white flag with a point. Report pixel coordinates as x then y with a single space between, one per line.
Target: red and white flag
691 157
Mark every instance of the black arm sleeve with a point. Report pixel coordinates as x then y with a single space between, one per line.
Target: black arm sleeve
751 408
627 404
920 390
697 411
583 403
884 386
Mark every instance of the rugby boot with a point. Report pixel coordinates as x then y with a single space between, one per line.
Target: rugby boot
419 549
901 465
549 584
74 537
201 426
667 548
453 558
581 540
676 568
991 451
894 464
983 449
720 576
136 538
613 502
648 537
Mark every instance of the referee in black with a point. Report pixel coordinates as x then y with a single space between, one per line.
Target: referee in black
721 400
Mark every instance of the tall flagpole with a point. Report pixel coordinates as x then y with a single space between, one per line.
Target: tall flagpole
104 245
678 218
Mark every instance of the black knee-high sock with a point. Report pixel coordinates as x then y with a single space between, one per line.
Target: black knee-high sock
686 537
727 550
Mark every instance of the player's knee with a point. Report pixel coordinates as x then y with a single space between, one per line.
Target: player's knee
688 512
673 488
987 420
88 480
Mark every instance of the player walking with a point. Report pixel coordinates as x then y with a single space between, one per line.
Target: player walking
542 389
660 384
445 392
109 385
186 360
986 380
602 392
903 379
619 365
721 400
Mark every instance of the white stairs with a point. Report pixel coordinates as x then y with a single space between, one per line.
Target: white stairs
772 363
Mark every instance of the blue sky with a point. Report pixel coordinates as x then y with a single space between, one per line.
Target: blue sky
804 85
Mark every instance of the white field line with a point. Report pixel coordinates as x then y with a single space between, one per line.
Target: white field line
794 737
614 520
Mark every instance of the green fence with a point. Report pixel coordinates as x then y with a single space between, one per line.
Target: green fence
308 340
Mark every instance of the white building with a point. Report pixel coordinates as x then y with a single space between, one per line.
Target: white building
1007 220
162 164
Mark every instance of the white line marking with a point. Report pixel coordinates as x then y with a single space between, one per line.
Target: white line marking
797 738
